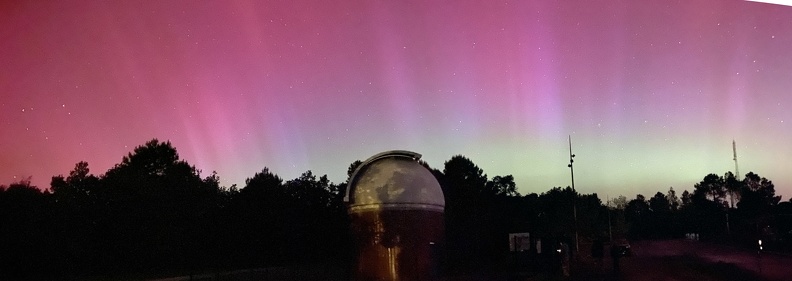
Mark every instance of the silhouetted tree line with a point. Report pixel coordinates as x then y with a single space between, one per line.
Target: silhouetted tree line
720 209
153 214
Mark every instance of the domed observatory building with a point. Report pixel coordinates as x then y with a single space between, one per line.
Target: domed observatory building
396 207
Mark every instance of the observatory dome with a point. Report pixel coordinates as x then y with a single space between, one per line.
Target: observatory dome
394 180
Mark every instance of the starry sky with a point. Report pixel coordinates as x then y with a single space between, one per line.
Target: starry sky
652 93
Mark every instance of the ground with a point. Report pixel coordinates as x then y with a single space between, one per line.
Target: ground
685 260
670 260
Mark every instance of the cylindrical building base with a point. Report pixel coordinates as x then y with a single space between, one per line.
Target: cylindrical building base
397 244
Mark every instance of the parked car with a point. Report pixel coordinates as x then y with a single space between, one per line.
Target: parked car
622 247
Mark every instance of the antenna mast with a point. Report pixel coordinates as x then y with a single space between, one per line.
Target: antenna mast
574 205
736 170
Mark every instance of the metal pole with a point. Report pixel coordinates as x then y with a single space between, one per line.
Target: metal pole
610 228
574 199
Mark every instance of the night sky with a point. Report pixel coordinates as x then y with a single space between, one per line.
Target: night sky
651 92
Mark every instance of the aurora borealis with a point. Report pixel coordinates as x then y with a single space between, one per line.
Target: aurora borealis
652 93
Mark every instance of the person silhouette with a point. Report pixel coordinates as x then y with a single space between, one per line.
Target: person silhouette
597 252
615 255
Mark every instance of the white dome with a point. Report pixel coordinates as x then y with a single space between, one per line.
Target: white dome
394 180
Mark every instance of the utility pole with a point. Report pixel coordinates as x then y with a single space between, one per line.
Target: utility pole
574 199
610 229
